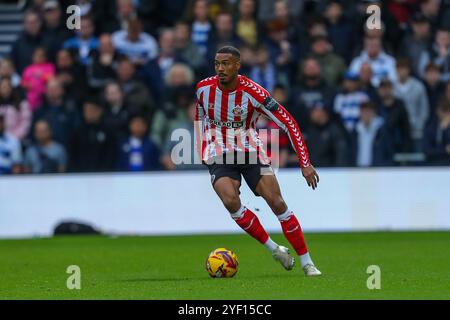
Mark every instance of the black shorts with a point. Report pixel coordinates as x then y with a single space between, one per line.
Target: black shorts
252 172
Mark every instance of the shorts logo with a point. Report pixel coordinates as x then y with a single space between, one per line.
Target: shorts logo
213 177
211 106
238 110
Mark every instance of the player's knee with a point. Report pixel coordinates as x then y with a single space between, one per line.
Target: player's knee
277 204
231 202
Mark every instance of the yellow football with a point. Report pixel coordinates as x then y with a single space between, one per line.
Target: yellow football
222 263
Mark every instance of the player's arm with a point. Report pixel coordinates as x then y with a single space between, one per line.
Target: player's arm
272 109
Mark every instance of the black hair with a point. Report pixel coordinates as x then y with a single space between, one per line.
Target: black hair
15 97
92 100
279 86
443 104
139 116
368 105
231 50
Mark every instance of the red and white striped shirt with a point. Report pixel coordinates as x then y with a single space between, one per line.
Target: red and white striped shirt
225 120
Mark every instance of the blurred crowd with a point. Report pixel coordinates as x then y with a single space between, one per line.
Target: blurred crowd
108 96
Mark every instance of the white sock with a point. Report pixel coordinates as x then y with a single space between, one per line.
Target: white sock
285 215
305 259
270 245
238 214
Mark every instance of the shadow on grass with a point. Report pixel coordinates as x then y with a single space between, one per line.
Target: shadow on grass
206 278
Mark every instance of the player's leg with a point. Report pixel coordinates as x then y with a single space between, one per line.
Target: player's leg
227 189
269 189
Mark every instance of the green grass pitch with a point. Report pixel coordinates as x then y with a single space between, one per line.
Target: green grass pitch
414 265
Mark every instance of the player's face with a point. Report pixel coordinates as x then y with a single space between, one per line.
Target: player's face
226 66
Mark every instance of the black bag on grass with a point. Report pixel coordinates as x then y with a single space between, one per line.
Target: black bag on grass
74 228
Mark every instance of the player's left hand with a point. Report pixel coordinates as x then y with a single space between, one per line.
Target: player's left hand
311 176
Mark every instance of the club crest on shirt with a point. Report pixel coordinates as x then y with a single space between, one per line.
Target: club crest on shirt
238 110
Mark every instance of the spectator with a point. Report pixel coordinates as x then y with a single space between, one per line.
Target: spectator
446 92
116 112
86 7
36 76
434 87
60 113
102 63
27 42
430 9
138 152
186 49
92 147
201 26
125 10
46 155
395 116
340 30
382 64
282 51
417 42
264 71
287 11
179 95
348 102
246 25
326 141
371 146
247 59
332 65
414 96
15 110
55 31
365 80
10 151
7 70
85 42
437 136
166 13
390 40
37 6
270 9
222 34
175 159
156 69
439 54
136 95
138 46
312 91
71 75
401 10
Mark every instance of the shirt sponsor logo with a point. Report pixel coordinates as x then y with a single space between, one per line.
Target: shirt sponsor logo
227 124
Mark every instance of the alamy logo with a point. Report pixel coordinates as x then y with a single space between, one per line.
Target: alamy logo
74 20
374 280
374 21
74 280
